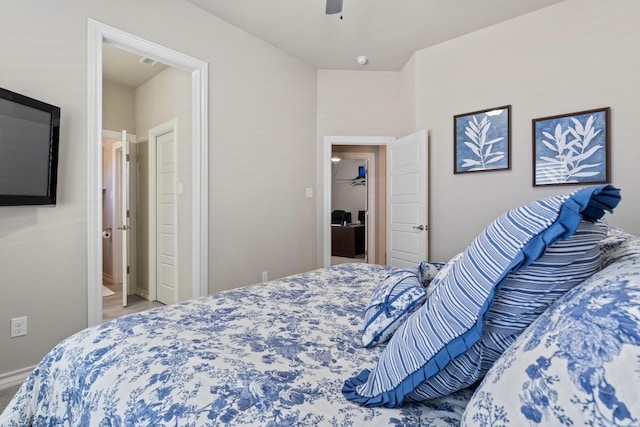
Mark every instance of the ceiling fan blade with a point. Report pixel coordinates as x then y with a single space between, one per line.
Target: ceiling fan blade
334 6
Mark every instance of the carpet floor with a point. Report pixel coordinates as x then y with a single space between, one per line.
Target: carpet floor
6 395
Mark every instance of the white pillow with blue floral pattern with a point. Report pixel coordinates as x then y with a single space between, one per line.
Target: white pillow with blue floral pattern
429 271
578 363
393 300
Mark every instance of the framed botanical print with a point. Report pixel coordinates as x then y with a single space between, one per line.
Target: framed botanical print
482 140
571 149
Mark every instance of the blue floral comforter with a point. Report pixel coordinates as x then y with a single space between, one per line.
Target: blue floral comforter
273 354
578 364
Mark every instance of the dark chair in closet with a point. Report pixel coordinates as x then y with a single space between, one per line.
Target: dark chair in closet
338 216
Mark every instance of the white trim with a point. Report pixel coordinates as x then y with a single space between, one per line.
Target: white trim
9 379
200 179
329 141
116 210
97 34
152 251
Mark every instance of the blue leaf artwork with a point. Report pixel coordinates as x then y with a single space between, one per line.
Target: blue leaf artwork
482 140
571 149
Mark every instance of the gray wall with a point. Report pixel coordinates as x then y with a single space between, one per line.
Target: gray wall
117 114
262 112
268 115
573 56
165 97
361 103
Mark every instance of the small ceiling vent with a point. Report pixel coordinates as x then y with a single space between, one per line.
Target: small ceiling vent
148 62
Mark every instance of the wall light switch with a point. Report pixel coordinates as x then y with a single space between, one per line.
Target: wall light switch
309 192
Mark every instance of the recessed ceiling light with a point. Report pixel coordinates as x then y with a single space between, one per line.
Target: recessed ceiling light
362 60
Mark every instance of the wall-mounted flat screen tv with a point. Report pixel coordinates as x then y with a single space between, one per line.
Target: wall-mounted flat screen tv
29 138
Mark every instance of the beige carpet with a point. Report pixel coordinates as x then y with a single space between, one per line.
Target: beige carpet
106 292
6 395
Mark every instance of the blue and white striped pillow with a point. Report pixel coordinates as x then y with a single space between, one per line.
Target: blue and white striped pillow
416 364
518 302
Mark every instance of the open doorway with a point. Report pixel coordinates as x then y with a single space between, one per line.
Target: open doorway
353 205
373 150
403 200
114 264
121 226
138 94
195 270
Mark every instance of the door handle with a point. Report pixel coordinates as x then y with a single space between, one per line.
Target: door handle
419 227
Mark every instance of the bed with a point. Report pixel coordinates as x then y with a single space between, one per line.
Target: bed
273 354
291 352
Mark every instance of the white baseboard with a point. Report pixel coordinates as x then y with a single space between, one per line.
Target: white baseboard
15 378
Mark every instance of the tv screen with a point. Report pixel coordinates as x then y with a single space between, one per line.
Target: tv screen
29 137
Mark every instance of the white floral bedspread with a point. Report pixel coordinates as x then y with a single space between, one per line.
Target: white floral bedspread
273 354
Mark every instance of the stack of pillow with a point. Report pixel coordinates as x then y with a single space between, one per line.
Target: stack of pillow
447 336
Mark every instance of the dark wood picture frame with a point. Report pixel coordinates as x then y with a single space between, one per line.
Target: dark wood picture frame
482 140
572 149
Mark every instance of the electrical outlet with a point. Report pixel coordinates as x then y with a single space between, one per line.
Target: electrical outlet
18 326
265 276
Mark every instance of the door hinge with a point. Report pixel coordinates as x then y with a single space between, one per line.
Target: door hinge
127 157
127 213
127 269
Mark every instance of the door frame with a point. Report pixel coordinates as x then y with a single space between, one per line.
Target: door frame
97 34
329 142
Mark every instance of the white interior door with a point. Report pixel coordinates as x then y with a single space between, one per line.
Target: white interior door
407 225
166 262
125 226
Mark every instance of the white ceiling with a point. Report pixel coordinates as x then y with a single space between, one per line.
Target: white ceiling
388 32
121 67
